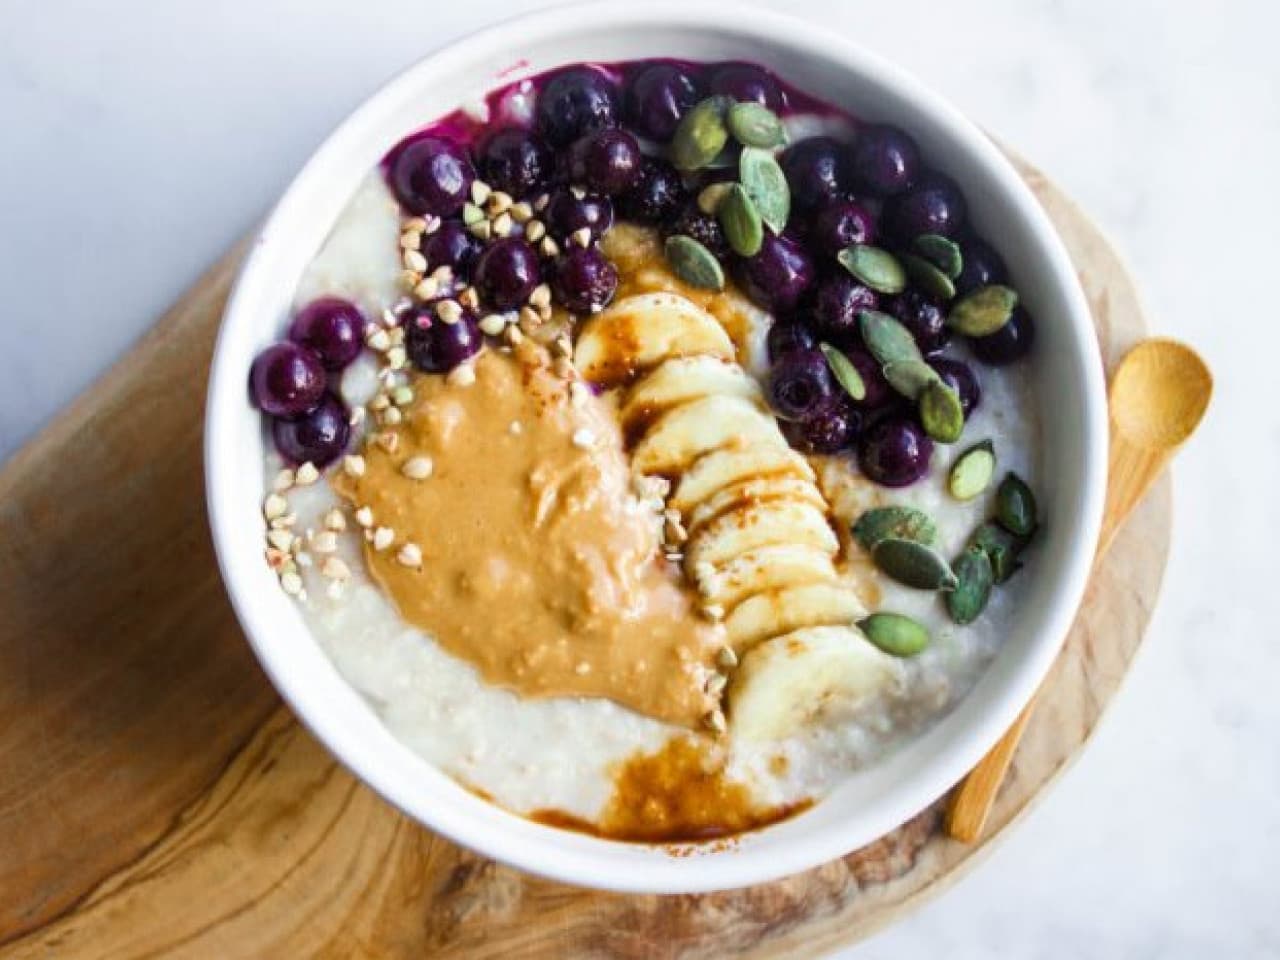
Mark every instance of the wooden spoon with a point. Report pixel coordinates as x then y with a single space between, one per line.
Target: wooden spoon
1157 398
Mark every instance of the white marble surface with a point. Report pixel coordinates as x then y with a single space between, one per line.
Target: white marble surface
142 139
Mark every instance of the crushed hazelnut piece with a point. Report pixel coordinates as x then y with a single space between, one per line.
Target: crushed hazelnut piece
535 230
388 441
499 202
492 324
521 212
410 555
481 230
284 480
541 296
502 225
463 375
292 583
402 396
469 298
411 240
335 520
383 537
427 289
418 468
306 474
415 261
392 416
364 517
379 340
326 541
280 539
414 225
449 311
549 248
335 569
581 236
480 192
409 279
274 506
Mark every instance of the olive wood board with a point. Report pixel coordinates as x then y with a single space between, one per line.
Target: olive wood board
157 799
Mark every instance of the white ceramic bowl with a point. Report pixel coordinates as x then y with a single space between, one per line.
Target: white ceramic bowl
1066 368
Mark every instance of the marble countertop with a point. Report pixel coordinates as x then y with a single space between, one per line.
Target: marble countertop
143 139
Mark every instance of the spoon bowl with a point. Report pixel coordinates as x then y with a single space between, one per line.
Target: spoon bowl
1159 394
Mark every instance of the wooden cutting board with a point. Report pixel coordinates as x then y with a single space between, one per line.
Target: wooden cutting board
156 799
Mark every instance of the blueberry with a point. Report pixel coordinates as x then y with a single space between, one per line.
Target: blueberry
1011 342
981 265
585 281
923 317
452 246
787 337
287 380
332 329
746 82
817 172
933 205
515 161
431 175
567 213
841 223
878 392
829 429
894 452
885 160
835 304
318 437
606 161
574 102
657 97
959 376
507 272
799 383
656 196
437 347
778 276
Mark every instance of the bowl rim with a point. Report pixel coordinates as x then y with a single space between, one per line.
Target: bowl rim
465 823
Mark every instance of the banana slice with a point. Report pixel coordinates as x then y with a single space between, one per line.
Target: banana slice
682 379
682 435
775 612
760 525
765 568
731 465
641 331
769 486
806 677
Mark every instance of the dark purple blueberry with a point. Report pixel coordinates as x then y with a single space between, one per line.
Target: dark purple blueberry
585 281
332 329
437 347
778 276
575 102
657 97
839 224
287 380
923 318
515 161
566 214
816 171
702 227
934 205
894 452
507 272
834 307
1011 342
885 160
799 384
787 337
656 196
746 82
606 161
959 376
830 429
879 393
981 265
319 437
431 175
453 246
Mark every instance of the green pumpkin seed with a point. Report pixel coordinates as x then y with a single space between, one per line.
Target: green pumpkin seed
844 371
878 269
766 185
741 221
1016 506
984 311
941 252
1001 547
941 414
913 564
887 339
755 125
711 196
693 263
927 277
895 634
701 134
972 472
975 575
910 377
899 522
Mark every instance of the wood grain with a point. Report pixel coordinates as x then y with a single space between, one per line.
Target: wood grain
156 799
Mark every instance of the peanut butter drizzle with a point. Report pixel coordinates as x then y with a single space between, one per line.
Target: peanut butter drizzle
539 566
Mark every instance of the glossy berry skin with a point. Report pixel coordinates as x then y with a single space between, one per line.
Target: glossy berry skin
835 304
894 452
452 246
885 160
437 347
777 277
515 161
287 380
878 392
839 224
786 337
1010 343
832 428
817 172
933 205
657 97
607 161
702 227
746 82
981 266
332 329
566 214
657 195
319 437
431 175
506 273
923 317
575 102
959 376
799 384
584 281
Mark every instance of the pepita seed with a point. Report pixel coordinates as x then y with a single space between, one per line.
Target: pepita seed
878 269
701 134
743 228
971 474
941 413
887 339
693 263
1016 506
844 371
984 311
710 197
766 185
897 521
755 125
910 377
1001 547
974 577
942 252
895 634
927 276
913 564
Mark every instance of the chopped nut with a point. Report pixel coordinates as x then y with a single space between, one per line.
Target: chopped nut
480 192
410 555
469 298
413 260
402 395
396 336
492 324
291 582
397 357
280 539
282 523
388 441
414 225
581 236
716 684
418 468
379 340
472 214
364 517
549 248
499 202
392 416
428 289
326 541
335 520
521 212
541 296
284 480
502 225
529 318
513 335
463 375
335 569
450 311
411 240
306 474
726 659
409 279
583 438
481 230
582 668
383 537
274 506
535 230
277 559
